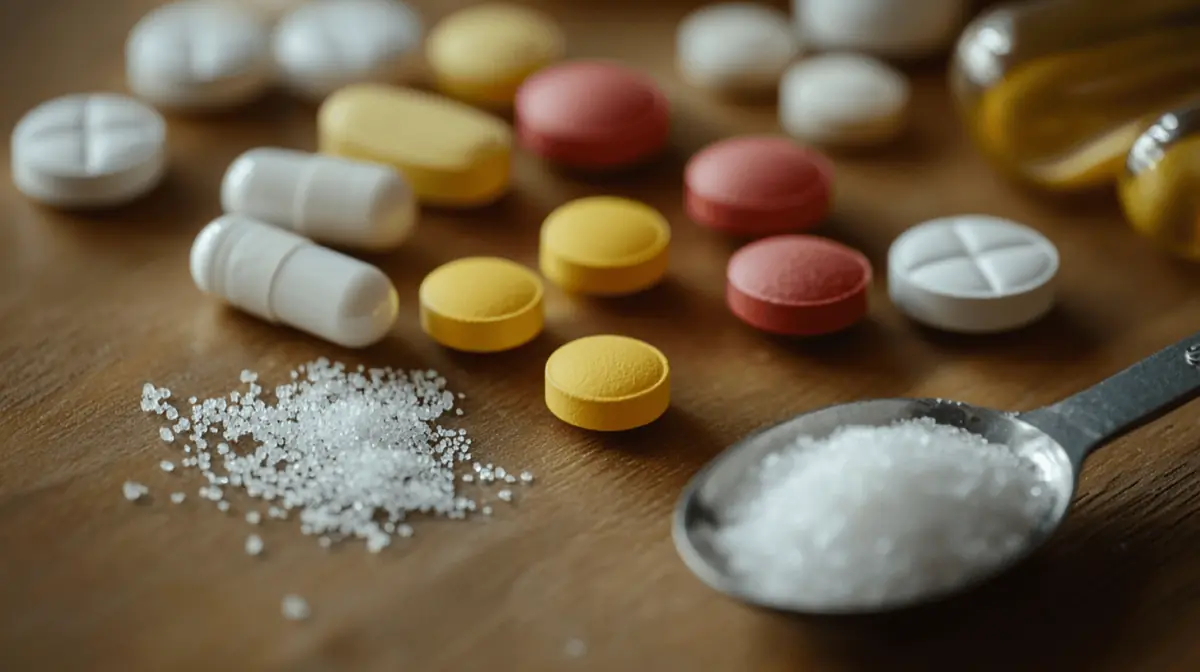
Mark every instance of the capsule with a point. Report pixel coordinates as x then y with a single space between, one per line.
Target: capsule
341 202
284 278
1160 188
1055 92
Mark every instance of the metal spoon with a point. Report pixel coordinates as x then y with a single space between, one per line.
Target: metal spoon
1057 438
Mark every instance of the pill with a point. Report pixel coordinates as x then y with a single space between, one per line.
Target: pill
89 151
736 48
758 186
592 115
481 304
322 46
451 154
340 202
481 54
892 28
843 99
608 383
281 277
604 245
972 274
798 285
198 55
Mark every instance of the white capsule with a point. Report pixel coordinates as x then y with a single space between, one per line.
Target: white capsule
341 202
284 278
198 55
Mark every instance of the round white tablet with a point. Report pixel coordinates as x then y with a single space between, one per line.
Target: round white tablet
88 151
735 47
972 274
198 55
893 28
323 46
843 100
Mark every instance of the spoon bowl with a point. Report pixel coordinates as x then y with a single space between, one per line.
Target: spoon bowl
714 490
1055 439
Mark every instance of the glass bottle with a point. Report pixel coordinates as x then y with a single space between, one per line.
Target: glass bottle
1160 186
1055 92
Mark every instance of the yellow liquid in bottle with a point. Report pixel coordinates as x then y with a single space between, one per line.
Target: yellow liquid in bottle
1160 188
1056 92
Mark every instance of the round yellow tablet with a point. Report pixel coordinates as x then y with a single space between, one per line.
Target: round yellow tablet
608 383
482 54
604 245
482 304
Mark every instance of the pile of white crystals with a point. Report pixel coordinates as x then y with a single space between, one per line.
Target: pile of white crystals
876 516
352 453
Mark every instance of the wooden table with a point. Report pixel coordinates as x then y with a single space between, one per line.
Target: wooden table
580 573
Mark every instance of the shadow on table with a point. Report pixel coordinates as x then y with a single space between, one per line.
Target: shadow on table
1062 335
1063 609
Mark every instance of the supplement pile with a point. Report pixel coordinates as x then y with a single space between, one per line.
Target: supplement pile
353 454
870 517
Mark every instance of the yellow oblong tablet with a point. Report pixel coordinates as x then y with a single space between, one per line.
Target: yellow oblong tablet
482 304
482 54
604 245
608 383
452 154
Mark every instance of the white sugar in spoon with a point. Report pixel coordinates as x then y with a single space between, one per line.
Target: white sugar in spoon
1056 438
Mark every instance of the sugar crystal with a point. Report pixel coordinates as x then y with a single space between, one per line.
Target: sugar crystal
253 517
873 516
254 545
344 449
134 491
294 608
178 497
167 465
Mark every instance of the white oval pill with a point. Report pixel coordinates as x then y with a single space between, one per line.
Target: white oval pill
89 150
281 277
972 274
735 47
323 46
341 202
843 100
893 28
198 55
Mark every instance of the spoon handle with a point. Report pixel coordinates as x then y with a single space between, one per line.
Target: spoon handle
1140 394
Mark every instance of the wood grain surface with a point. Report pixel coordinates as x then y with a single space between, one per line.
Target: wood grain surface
92 306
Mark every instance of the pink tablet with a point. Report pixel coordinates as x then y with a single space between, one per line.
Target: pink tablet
591 115
758 186
798 285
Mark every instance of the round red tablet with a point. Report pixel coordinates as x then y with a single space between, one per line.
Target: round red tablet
758 186
798 285
591 115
